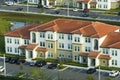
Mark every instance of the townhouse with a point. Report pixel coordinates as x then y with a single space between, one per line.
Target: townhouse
90 4
81 41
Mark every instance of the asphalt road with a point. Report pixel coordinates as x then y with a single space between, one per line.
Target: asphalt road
67 74
62 12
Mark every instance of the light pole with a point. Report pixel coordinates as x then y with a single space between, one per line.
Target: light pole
4 66
27 7
99 73
68 10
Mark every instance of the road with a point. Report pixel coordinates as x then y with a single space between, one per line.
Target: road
63 12
67 74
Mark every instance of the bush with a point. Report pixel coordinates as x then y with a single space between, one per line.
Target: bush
109 68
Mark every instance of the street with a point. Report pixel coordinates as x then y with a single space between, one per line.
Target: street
62 12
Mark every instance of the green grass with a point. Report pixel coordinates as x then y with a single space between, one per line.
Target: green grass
109 68
4 26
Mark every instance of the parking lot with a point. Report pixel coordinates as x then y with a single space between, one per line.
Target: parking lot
66 74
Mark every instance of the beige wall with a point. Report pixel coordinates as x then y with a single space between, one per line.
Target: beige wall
103 62
114 5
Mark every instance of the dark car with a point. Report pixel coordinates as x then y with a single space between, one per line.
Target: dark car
7 59
85 10
56 11
19 9
20 61
91 70
40 63
52 66
85 15
118 13
14 60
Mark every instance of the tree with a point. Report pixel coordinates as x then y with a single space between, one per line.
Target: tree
38 73
90 77
108 79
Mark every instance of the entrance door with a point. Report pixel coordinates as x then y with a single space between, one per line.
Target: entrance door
30 54
86 6
92 62
80 5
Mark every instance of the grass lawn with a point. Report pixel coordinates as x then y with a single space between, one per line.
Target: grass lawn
4 26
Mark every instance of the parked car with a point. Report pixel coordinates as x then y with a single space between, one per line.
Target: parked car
14 60
48 7
32 63
85 10
19 9
9 3
52 66
40 63
20 61
56 11
1 68
114 73
91 70
75 9
7 59
118 14
85 15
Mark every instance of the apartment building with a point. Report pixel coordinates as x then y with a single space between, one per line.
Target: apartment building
91 4
77 40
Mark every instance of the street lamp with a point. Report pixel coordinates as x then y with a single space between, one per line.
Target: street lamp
99 73
4 66
27 7
68 10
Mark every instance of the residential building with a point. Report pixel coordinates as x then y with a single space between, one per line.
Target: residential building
77 40
91 4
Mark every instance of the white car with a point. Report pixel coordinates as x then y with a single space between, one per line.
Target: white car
9 3
1 68
114 73
48 7
75 9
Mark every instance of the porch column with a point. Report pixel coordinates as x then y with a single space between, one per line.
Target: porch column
89 62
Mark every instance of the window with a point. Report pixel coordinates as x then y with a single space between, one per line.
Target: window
61 36
69 37
26 42
77 48
61 55
16 41
114 52
61 45
50 54
16 50
77 39
87 39
114 62
76 58
9 49
87 49
33 37
9 40
50 45
105 50
50 36
69 46
95 44
42 44
42 35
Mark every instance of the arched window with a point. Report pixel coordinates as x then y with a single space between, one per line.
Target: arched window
95 44
33 37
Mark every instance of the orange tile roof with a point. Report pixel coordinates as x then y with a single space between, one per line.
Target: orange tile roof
93 54
22 32
98 29
22 46
41 49
112 40
87 28
104 57
84 54
92 2
31 46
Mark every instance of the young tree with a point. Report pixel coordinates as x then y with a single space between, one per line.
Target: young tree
38 73
90 77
